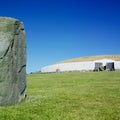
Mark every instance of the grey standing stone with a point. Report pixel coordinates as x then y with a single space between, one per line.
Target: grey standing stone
12 61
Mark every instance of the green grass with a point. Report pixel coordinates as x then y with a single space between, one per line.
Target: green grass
68 96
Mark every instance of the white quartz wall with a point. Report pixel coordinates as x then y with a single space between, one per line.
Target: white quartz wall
117 65
75 66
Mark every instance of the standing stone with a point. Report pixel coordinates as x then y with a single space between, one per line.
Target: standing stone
12 61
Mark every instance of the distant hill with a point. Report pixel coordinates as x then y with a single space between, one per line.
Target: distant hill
92 58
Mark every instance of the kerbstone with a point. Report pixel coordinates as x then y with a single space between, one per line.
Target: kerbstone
12 61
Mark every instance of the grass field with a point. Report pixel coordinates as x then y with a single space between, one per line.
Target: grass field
68 96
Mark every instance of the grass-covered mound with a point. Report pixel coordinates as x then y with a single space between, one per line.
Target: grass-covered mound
93 58
68 96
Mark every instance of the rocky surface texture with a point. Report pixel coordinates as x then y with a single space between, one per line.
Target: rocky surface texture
12 61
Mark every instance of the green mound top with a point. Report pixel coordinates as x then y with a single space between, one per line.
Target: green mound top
93 58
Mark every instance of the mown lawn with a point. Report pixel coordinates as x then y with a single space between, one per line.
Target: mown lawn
68 96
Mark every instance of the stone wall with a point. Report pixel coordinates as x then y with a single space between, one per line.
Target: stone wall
77 66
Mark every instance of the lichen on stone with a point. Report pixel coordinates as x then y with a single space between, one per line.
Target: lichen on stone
12 61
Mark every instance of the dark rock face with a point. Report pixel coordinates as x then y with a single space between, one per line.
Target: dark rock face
12 61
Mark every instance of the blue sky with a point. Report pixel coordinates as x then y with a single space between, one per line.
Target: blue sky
57 30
